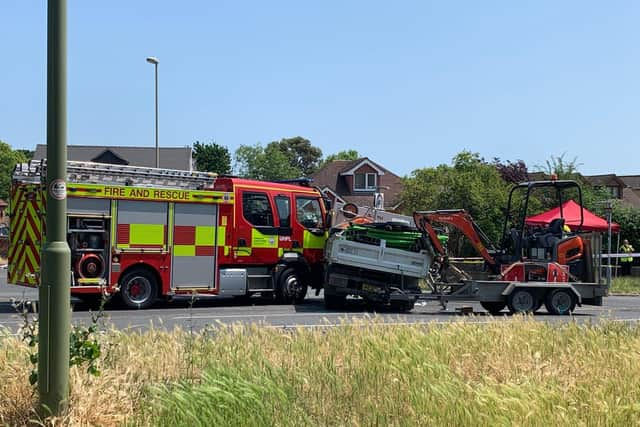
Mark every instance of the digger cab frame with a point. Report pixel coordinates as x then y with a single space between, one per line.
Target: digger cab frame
514 234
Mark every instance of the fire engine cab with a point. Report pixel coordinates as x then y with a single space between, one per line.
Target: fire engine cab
147 233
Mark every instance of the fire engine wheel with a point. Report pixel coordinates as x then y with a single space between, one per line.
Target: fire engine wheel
138 289
522 301
560 302
493 307
538 305
291 289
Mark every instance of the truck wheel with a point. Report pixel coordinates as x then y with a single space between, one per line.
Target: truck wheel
290 288
333 301
521 301
402 306
493 307
560 301
138 289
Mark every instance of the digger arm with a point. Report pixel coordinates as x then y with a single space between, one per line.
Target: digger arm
459 219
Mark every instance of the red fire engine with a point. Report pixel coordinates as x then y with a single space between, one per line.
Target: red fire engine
147 233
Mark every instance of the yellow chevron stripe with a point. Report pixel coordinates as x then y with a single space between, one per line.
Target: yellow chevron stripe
26 239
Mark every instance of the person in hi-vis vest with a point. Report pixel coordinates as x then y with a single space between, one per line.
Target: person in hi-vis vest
626 261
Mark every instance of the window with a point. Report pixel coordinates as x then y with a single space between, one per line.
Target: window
365 181
615 192
308 212
257 210
284 211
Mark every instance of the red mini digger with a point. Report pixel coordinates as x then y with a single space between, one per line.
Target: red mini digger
533 259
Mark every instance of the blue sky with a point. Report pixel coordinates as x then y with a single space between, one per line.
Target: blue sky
408 84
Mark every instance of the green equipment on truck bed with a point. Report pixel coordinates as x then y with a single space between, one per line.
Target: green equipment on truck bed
398 236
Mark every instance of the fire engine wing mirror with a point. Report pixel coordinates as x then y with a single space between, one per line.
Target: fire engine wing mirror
328 220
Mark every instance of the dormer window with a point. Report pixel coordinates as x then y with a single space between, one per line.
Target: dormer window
365 181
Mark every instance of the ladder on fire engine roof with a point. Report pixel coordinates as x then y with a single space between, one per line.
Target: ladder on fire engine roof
104 173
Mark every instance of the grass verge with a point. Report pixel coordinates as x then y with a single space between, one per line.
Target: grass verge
626 285
509 372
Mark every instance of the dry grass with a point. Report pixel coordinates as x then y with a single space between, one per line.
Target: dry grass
503 373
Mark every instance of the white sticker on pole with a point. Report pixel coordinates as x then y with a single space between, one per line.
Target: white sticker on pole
58 189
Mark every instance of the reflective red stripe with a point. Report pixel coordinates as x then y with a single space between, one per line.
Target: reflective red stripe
205 250
184 235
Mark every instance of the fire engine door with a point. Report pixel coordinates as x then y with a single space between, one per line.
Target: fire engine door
194 245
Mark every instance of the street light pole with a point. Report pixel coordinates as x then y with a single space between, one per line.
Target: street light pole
55 314
153 60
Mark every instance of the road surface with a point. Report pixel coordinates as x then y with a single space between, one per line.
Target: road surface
312 313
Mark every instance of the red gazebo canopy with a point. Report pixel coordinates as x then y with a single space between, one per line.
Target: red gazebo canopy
571 215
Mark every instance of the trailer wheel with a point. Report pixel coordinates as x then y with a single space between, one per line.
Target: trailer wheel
560 301
138 289
521 301
291 289
493 307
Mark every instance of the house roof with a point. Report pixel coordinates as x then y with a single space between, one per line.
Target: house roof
631 196
355 164
331 175
328 174
170 157
632 181
604 180
3 204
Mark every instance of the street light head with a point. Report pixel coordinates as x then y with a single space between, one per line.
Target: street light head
152 60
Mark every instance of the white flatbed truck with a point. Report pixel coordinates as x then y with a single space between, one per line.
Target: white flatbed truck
398 278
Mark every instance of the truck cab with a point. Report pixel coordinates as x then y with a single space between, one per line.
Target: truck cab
278 235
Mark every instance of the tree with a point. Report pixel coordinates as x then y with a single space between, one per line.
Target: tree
264 163
28 154
512 172
301 154
592 197
8 160
342 155
562 168
212 158
468 183
628 218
